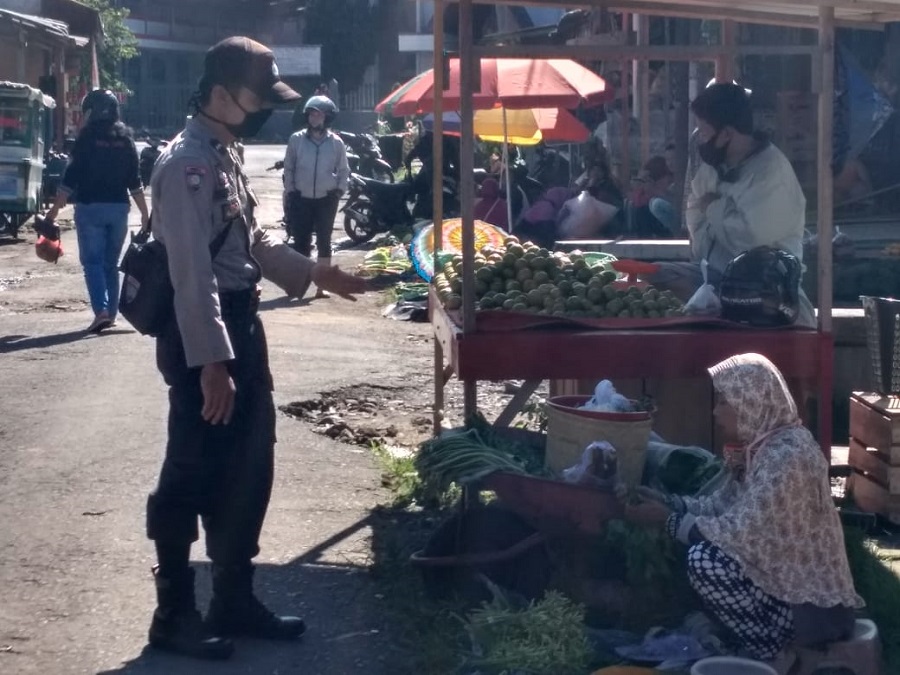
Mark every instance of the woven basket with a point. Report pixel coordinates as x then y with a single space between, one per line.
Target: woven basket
570 430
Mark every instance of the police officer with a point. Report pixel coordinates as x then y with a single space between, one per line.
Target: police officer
213 357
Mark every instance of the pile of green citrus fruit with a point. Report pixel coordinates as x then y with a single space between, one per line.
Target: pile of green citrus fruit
522 277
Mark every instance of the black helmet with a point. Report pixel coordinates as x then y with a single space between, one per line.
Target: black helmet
100 105
761 287
324 105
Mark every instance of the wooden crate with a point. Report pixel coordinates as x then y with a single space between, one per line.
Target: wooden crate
875 453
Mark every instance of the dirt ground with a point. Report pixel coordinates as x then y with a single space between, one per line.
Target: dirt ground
82 432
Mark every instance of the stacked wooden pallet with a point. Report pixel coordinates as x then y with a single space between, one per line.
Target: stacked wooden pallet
875 453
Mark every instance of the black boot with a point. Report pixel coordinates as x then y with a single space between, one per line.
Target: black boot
177 626
235 611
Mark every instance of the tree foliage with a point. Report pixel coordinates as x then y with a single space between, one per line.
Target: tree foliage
119 44
347 31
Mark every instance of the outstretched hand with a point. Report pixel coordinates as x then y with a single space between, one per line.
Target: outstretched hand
336 281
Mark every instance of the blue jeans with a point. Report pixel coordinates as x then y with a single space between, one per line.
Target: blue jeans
101 230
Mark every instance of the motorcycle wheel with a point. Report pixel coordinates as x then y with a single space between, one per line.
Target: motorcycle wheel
358 232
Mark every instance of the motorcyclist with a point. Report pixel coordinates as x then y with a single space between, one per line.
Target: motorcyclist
316 174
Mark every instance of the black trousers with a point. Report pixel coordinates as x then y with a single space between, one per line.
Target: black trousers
306 217
221 473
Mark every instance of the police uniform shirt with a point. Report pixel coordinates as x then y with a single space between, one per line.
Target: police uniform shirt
198 188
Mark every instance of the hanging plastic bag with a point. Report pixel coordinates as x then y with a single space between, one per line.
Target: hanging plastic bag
705 300
607 399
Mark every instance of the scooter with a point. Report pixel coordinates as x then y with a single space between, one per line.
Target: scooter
54 167
148 158
364 156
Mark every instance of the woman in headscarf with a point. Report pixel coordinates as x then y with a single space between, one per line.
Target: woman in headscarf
766 552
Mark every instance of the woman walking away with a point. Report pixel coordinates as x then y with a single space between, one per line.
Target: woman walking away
103 171
316 173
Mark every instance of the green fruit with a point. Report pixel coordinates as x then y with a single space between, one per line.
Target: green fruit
615 306
509 260
454 301
509 304
535 298
529 256
513 285
516 250
624 314
456 285
579 263
497 285
499 299
509 273
672 312
521 264
565 287
485 274
541 277
579 289
528 285
584 275
480 288
653 314
522 275
609 293
486 303
650 305
608 277
520 307
573 304
549 302
595 294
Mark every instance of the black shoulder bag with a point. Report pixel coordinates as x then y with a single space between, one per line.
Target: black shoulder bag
147 299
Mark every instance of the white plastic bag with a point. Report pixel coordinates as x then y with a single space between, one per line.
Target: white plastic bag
705 300
607 399
584 216
597 466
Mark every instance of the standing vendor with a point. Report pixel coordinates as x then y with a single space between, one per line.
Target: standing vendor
766 551
744 195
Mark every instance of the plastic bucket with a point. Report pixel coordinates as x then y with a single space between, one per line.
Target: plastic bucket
570 430
883 338
731 665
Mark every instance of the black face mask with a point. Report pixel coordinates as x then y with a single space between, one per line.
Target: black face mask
253 122
711 154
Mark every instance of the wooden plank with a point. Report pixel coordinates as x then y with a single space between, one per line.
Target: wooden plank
870 427
873 498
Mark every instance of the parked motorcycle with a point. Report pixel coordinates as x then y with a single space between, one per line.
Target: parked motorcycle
54 167
374 206
148 158
364 156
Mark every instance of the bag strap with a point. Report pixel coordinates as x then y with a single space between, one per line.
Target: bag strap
214 247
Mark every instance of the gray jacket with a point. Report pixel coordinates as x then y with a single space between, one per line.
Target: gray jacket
198 187
315 167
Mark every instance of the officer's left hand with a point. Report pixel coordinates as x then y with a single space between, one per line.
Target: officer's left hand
334 280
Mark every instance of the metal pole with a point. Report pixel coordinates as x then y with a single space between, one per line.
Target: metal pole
467 64
825 198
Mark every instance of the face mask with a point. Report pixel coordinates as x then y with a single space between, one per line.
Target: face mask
253 122
711 154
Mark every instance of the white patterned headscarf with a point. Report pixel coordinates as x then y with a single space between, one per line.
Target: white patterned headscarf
782 527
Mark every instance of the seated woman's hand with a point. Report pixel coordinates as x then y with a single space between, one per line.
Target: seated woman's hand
647 513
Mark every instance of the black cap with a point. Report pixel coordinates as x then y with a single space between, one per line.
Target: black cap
242 62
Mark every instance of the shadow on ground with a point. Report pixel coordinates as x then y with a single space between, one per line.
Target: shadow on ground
341 605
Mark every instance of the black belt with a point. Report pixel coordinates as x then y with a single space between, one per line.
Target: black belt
239 303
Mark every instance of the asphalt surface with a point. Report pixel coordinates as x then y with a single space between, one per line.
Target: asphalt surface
82 433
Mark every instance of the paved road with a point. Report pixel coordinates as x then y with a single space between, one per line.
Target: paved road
82 422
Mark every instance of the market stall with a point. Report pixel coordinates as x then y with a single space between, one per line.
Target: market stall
473 354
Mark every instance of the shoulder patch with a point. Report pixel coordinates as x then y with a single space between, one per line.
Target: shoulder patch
193 176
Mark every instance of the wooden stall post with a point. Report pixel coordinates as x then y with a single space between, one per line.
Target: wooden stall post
625 116
725 61
438 195
825 214
467 64
641 77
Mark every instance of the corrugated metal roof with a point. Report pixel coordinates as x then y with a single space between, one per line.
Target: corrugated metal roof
52 27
